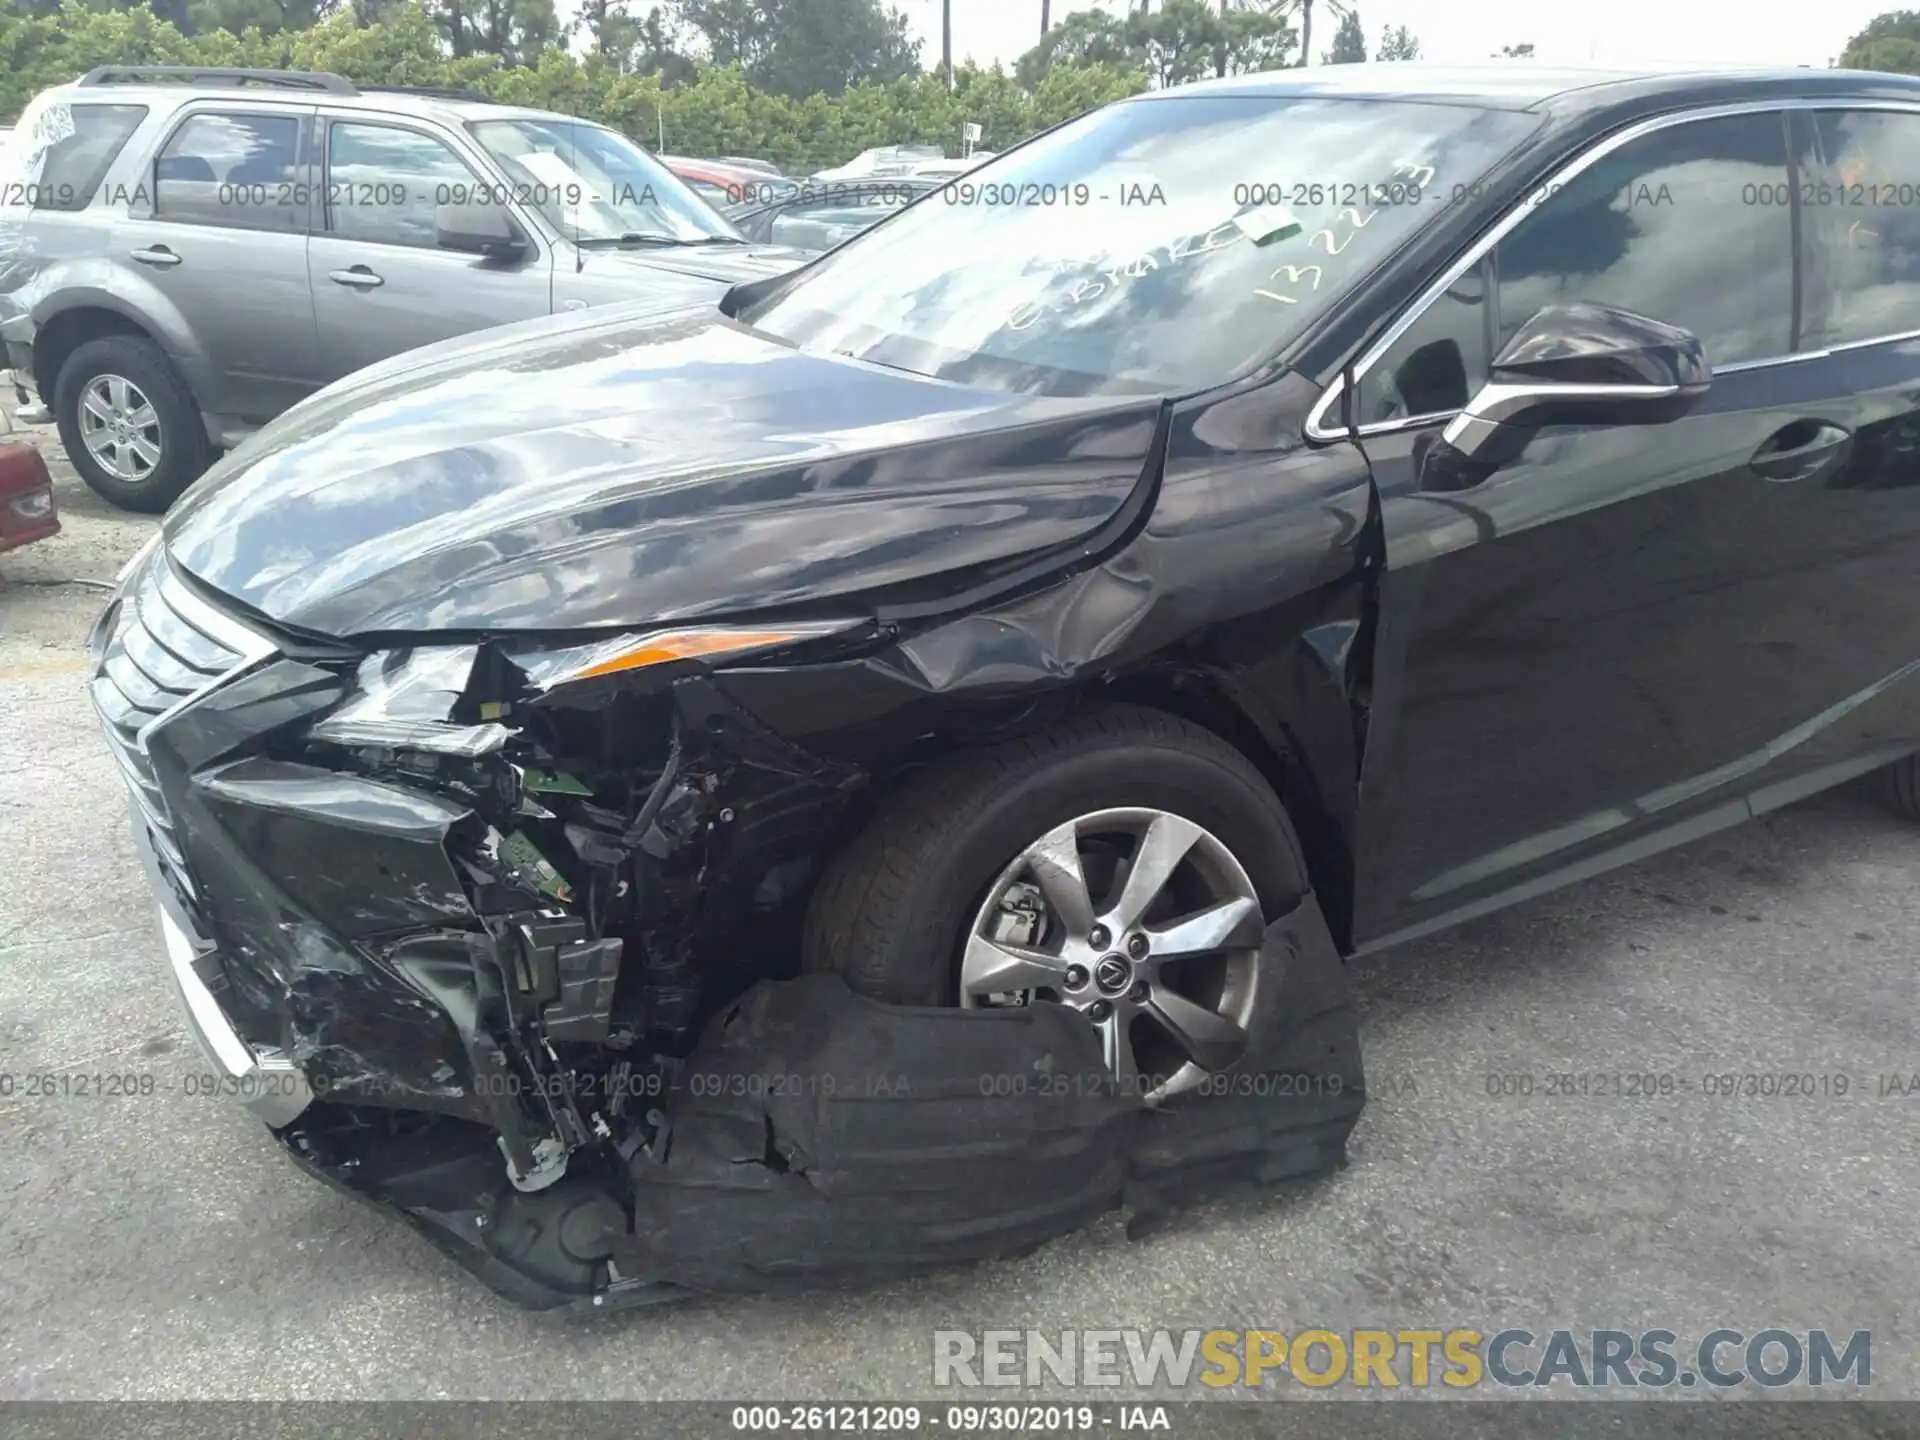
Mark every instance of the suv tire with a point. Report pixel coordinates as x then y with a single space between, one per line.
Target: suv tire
892 909
147 382
1900 786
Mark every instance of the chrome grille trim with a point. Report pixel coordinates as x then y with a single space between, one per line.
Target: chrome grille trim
167 649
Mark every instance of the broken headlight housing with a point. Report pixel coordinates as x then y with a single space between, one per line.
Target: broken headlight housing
424 698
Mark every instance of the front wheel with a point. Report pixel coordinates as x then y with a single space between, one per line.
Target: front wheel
1900 786
129 423
1125 864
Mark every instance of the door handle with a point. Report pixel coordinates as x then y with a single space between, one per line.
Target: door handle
359 277
1802 450
158 256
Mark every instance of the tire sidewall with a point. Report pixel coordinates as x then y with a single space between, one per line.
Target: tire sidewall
947 894
182 454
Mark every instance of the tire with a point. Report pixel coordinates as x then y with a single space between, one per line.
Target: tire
184 451
1900 786
892 910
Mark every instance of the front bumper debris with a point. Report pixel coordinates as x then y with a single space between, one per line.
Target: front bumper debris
817 1137
264 1080
514 962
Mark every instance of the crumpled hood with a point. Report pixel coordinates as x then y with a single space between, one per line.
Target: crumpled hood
621 467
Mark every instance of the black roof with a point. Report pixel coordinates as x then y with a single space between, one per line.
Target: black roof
1526 85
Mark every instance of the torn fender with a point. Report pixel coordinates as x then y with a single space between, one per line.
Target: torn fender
818 1137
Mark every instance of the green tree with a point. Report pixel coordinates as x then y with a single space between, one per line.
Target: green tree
1890 42
1349 42
1304 8
1086 37
708 110
1254 36
270 17
609 28
1397 43
515 30
1177 43
804 47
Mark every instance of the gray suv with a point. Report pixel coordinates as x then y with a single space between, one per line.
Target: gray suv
185 253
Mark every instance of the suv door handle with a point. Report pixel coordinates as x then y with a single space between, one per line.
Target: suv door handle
1802 450
158 255
359 277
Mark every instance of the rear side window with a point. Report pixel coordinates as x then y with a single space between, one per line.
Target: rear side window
1669 226
235 171
80 142
1860 221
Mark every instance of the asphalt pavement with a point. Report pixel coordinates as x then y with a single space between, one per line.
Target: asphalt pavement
157 1245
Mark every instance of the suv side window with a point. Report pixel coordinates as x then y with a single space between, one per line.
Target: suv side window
1439 363
76 161
1860 223
232 170
1675 226
1679 225
385 183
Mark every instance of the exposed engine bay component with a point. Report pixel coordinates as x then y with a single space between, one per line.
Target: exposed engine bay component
813 1136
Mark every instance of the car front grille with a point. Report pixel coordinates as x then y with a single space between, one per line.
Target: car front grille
166 647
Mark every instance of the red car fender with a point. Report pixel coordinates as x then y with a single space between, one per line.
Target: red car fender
27 510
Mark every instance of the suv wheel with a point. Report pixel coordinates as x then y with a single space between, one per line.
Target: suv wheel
129 423
1124 863
1900 786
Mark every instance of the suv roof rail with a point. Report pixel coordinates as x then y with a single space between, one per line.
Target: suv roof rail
220 75
438 92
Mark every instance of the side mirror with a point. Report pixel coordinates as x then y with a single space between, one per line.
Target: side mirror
478 228
1579 364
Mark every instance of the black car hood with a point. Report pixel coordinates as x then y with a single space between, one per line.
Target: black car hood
622 467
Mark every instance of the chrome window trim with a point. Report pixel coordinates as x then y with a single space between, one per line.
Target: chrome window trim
1316 428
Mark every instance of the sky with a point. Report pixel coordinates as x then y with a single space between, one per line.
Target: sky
1566 32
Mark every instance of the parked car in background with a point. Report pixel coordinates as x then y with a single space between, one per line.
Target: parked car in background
819 215
747 162
725 186
189 252
882 162
27 508
947 169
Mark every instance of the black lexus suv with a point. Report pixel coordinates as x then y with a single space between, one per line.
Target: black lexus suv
865 775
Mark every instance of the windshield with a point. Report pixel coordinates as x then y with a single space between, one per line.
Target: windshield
1160 245
597 186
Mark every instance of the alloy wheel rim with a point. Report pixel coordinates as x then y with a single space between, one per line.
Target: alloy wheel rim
1144 922
120 428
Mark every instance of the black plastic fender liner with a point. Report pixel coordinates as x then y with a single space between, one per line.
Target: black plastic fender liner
817 1137
1284 1112
820 1136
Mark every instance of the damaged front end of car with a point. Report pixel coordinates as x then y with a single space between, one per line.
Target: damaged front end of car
500 935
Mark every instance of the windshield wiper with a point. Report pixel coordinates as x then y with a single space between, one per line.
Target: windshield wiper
634 238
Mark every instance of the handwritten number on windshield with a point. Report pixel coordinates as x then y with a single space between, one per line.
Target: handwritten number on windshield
1293 274
1333 242
1112 275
